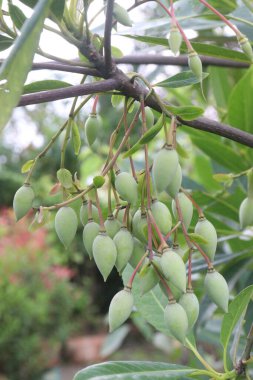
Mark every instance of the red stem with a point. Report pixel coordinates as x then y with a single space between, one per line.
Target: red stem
89 209
168 290
162 241
195 204
94 108
223 18
172 230
130 282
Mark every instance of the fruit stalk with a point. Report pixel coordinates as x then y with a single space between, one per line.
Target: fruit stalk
130 282
101 220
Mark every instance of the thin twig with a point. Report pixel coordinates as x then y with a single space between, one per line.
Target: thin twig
107 36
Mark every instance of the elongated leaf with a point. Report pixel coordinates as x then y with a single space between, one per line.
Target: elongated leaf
15 68
149 135
240 103
203 49
138 370
44 85
235 310
5 42
57 6
186 78
186 112
17 16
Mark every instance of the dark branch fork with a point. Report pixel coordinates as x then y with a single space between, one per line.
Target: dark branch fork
115 79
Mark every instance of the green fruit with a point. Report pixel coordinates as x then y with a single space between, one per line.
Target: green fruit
23 200
90 231
173 188
206 229
217 289
120 308
66 225
246 212
148 276
84 213
112 226
140 226
104 253
121 15
176 320
186 208
246 47
195 64
190 303
175 40
173 269
138 253
92 126
162 216
127 187
164 167
149 117
124 244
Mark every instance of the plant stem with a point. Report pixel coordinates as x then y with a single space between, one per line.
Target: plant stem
198 208
130 282
201 359
101 220
172 230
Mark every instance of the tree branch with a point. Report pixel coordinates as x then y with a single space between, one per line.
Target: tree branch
125 87
68 92
107 36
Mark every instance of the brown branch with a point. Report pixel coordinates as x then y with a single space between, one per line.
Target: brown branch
241 366
107 36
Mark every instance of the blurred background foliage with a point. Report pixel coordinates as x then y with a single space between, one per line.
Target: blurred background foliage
54 293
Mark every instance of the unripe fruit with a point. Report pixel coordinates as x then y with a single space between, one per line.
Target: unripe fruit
173 188
206 229
162 216
140 225
66 225
246 46
90 231
92 126
121 15
246 212
138 252
175 319
124 244
84 213
112 226
195 64
127 187
149 117
175 40
186 208
104 253
23 200
173 269
120 308
164 167
217 289
148 276
190 303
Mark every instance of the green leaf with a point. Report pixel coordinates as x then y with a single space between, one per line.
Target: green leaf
116 52
223 177
116 100
57 6
149 135
203 49
126 370
17 16
186 112
197 238
185 78
75 136
240 103
65 178
182 151
15 68
44 85
5 42
235 310
27 166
